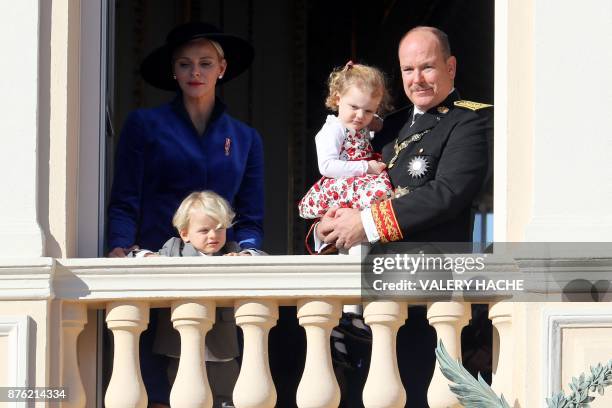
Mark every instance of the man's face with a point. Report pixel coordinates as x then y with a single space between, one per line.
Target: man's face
428 78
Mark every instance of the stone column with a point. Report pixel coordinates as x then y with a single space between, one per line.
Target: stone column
500 314
318 387
74 317
126 320
255 388
448 318
383 388
193 320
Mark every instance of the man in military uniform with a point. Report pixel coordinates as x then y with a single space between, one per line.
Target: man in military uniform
437 158
436 154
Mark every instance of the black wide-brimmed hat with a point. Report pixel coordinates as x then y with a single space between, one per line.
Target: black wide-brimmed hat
156 68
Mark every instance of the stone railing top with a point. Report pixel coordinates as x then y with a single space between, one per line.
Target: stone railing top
26 278
283 277
286 278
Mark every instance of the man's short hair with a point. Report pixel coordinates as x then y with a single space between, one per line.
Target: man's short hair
439 34
209 203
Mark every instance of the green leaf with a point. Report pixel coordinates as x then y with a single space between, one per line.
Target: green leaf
471 392
600 377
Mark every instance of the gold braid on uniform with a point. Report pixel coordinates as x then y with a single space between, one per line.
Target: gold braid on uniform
386 223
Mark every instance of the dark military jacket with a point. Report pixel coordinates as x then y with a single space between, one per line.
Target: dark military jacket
437 166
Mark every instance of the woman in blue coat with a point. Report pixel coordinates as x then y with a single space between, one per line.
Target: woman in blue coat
189 144
186 145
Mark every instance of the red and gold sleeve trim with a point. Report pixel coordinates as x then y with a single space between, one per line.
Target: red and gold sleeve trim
386 222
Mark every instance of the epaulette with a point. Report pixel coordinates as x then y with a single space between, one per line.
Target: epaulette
471 105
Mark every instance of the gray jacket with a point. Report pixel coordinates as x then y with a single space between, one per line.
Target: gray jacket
222 339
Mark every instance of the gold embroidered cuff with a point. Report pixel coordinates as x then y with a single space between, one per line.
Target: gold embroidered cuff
385 221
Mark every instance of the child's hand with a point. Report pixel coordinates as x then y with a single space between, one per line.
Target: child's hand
237 254
375 167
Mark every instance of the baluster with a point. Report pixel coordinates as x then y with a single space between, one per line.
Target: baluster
74 317
192 320
448 318
126 320
318 386
501 316
383 388
254 387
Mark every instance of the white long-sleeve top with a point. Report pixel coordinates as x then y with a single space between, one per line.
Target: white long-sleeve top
329 143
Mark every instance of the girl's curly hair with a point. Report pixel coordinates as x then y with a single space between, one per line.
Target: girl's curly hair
365 77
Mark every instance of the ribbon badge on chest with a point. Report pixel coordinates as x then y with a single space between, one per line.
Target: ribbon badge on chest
398 148
228 146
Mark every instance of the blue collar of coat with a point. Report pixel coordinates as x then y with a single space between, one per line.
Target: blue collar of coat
178 106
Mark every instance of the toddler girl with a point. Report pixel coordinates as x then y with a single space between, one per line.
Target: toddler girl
352 175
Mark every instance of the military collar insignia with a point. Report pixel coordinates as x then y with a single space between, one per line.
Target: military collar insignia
474 106
425 122
397 148
400 191
443 110
418 166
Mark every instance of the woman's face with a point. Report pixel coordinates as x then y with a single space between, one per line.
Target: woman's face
197 67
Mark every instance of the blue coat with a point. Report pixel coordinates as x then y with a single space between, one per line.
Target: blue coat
161 158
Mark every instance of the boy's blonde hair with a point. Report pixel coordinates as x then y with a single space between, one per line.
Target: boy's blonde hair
365 77
208 202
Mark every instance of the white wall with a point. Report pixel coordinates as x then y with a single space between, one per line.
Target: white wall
20 234
572 176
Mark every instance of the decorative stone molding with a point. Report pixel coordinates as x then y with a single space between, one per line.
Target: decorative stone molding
26 278
17 331
553 320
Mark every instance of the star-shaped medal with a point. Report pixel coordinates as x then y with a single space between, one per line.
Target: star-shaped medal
418 166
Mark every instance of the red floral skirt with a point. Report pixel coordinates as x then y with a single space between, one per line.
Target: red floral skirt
357 192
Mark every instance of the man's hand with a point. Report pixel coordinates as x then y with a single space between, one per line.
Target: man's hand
375 167
121 252
343 227
324 226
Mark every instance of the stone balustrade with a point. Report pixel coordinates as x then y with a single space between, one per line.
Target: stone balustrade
256 287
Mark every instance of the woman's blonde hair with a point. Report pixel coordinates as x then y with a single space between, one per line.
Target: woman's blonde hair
209 203
214 44
365 77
